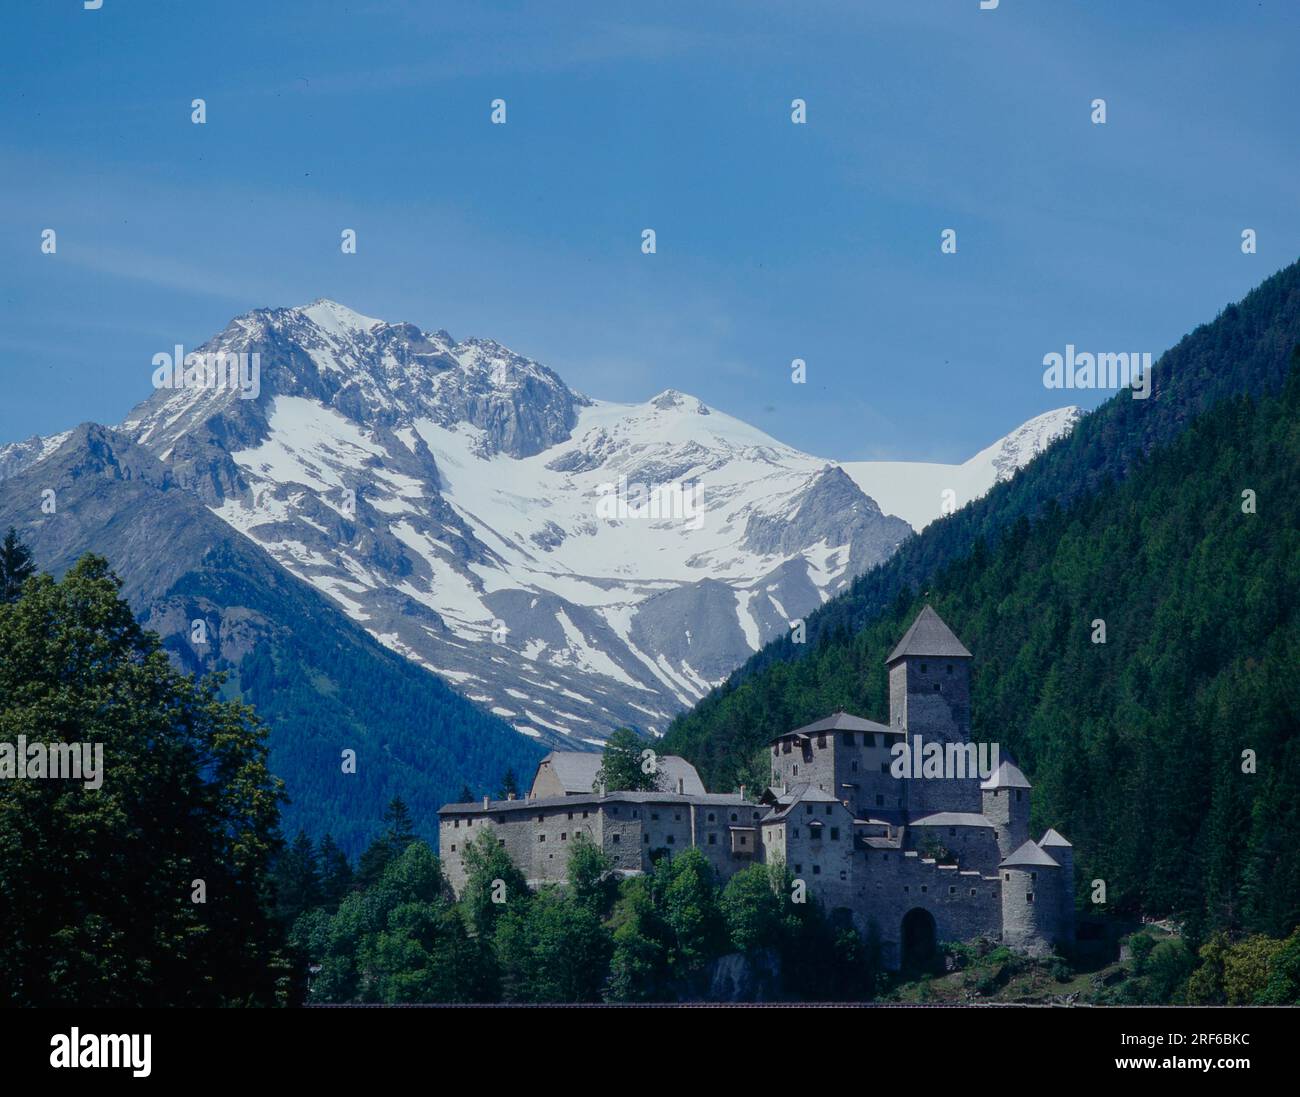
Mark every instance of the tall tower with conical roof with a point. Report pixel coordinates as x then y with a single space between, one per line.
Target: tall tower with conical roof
929 700
1006 805
1058 847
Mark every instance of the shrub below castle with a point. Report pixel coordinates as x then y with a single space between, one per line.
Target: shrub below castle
402 937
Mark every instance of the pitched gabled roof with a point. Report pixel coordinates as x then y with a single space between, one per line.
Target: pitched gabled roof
803 793
1054 838
953 819
1029 855
838 721
1007 775
573 803
576 771
929 636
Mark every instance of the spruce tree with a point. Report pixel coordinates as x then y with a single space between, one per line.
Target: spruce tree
16 566
297 880
335 873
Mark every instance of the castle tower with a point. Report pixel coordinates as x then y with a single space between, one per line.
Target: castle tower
929 700
1006 805
1031 900
1055 846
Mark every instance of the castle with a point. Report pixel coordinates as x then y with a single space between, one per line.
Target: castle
923 859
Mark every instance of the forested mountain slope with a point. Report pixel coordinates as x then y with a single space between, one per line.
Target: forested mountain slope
1244 350
1135 745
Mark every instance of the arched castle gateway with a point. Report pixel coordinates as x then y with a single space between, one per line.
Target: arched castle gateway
927 859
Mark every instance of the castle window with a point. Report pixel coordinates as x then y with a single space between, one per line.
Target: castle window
796 771
501 842
541 837
775 750
615 838
744 839
925 888
880 801
654 816
613 810
924 668
807 809
869 739
817 870
798 868
937 687
884 767
1007 877
564 836
677 816
835 834
713 839
584 814
821 742
453 848
672 839
828 808
949 668
952 832
844 874
1017 796
756 817
647 839
502 818
785 746
855 767
734 817
952 889
1029 896
712 817
848 738
907 887
570 815
972 893
539 818
636 813
1033 876
458 824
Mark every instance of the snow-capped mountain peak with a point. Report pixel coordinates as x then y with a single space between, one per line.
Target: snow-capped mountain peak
672 400
920 491
574 565
337 319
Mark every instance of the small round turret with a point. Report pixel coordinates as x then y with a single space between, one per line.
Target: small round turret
1031 900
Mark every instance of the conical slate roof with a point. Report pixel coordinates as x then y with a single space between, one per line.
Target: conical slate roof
1029 855
929 636
1054 838
1008 775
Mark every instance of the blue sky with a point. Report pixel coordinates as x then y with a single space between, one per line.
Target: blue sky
775 241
